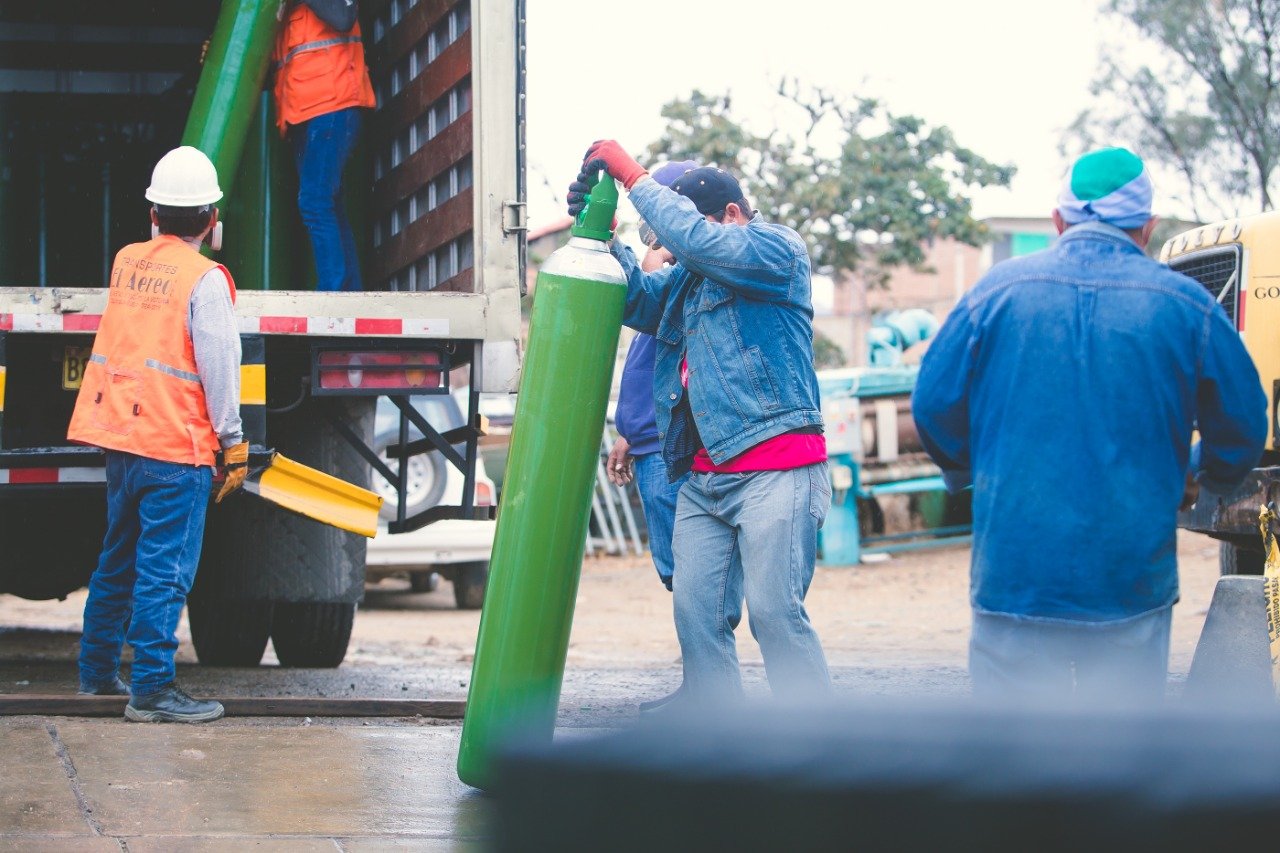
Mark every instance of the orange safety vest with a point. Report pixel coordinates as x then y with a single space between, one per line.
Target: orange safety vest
318 69
141 392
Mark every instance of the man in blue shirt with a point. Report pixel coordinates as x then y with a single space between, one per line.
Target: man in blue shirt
736 398
1065 388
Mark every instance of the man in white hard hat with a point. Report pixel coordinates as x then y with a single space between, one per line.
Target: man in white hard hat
161 395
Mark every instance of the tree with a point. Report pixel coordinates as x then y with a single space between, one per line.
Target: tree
1200 101
826 352
867 189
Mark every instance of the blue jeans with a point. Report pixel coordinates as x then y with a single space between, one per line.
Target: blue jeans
754 534
321 147
155 527
1125 661
658 496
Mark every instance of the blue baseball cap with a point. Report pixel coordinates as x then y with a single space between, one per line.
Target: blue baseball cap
710 189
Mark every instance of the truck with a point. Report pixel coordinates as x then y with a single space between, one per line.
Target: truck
91 95
1238 261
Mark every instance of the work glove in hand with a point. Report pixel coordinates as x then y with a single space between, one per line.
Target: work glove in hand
235 462
609 155
578 192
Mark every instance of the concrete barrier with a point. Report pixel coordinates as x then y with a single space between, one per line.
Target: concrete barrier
1233 658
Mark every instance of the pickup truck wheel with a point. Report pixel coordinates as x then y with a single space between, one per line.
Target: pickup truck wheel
469 581
424 581
1233 560
312 634
229 632
427 474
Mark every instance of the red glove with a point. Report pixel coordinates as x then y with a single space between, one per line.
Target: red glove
608 155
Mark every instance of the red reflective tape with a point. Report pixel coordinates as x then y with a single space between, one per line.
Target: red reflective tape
6 322
33 475
81 322
283 325
379 326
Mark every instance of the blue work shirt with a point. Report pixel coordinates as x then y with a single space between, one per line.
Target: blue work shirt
1065 386
738 304
635 417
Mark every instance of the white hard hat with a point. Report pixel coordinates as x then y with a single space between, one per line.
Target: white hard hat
184 177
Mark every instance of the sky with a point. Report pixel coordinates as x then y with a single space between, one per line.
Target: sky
1007 76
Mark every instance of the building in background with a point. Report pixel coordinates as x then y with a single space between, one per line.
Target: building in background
845 308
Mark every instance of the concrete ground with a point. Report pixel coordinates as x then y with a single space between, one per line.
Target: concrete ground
898 627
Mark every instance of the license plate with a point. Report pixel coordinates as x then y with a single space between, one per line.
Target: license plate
74 360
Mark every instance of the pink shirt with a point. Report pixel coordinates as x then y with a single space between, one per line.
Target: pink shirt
780 453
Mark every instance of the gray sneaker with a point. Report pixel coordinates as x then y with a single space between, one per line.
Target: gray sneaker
114 687
171 705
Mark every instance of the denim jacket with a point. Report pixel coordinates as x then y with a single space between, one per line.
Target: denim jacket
1066 385
737 304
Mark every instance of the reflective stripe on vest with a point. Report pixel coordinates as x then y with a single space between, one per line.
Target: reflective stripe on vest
141 390
316 45
173 371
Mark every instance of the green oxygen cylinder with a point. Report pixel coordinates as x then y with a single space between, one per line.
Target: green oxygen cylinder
226 98
518 667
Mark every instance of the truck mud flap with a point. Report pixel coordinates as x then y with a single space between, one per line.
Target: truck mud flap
316 495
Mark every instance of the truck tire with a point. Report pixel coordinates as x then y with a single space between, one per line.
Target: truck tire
469 581
229 632
258 552
1234 560
51 541
312 634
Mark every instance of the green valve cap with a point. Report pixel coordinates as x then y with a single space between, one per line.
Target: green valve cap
595 221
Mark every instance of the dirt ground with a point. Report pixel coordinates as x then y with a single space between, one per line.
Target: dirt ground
897 626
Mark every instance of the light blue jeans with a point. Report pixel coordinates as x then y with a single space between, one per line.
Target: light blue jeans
1121 661
658 496
756 535
155 530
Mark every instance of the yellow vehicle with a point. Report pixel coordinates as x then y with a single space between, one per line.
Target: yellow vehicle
1238 261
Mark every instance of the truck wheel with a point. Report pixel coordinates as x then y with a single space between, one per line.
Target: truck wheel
1234 560
424 581
229 632
312 573
312 634
469 580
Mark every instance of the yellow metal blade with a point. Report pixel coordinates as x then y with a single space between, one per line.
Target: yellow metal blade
317 495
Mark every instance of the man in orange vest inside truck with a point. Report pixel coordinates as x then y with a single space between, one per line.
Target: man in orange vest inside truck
322 82
161 395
